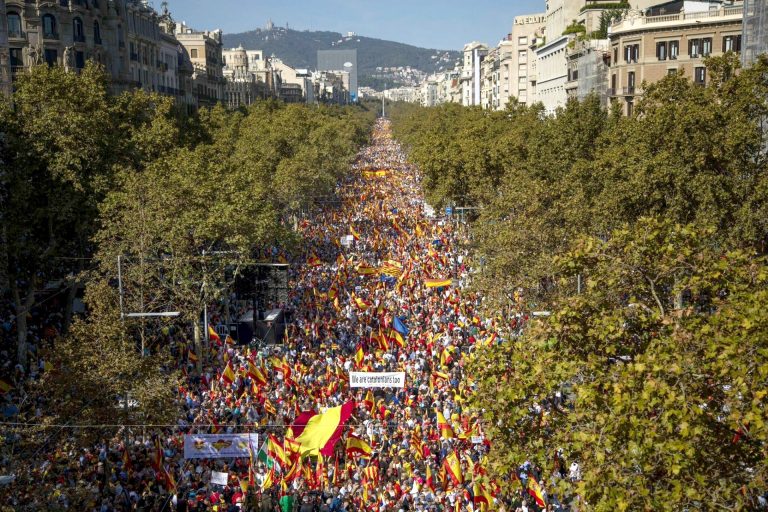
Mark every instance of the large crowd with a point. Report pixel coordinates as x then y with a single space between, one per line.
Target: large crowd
376 257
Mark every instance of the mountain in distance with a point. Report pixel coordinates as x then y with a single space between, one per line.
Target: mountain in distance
299 49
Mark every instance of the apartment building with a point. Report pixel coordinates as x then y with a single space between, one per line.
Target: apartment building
5 62
471 84
521 60
204 51
674 37
755 34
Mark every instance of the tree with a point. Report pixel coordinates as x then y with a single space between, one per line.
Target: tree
664 407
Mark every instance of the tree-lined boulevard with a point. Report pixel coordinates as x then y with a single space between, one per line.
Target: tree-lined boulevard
573 305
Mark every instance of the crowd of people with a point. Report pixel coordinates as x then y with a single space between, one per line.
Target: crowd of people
379 289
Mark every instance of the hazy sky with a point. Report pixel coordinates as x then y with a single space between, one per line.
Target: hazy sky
442 24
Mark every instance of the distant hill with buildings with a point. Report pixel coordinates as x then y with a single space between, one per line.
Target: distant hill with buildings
376 58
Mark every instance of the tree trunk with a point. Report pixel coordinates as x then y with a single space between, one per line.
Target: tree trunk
21 319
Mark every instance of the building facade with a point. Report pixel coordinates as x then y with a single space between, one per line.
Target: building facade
340 62
471 72
204 51
670 38
5 62
525 33
755 32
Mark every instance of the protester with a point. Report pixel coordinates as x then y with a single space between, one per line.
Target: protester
379 289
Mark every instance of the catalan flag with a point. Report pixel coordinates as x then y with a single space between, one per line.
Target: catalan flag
438 283
365 269
357 446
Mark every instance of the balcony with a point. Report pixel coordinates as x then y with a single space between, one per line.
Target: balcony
721 15
79 38
611 92
628 91
54 36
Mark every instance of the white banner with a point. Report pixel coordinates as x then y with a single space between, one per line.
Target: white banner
377 380
219 478
220 446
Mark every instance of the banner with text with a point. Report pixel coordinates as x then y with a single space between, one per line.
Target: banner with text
377 380
220 446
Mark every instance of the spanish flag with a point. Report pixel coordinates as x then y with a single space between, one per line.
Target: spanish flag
482 498
269 481
368 401
446 432
359 355
438 283
365 269
430 478
213 335
361 304
294 472
452 466
228 375
534 489
357 446
324 430
256 374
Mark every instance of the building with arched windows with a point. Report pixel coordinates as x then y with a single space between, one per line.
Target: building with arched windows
136 45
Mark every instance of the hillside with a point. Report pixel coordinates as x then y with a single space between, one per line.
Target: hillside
299 49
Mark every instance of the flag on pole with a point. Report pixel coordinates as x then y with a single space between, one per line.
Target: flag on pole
452 466
324 430
357 446
534 489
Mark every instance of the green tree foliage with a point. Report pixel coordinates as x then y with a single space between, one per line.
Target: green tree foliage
644 237
184 202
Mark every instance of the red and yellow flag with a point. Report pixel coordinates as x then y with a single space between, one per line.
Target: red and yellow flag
452 467
446 432
228 375
438 283
534 489
357 446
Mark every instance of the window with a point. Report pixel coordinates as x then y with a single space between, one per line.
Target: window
96 32
613 84
699 75
49 27
78 34
631 82
616 55
193 53
51 57
661 51
79 60
16 58
730 43
523 41
522 56
674 50
631 52
14 25
672 71
630 108
699 47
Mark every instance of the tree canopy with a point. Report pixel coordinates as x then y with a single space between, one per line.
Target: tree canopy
643 238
